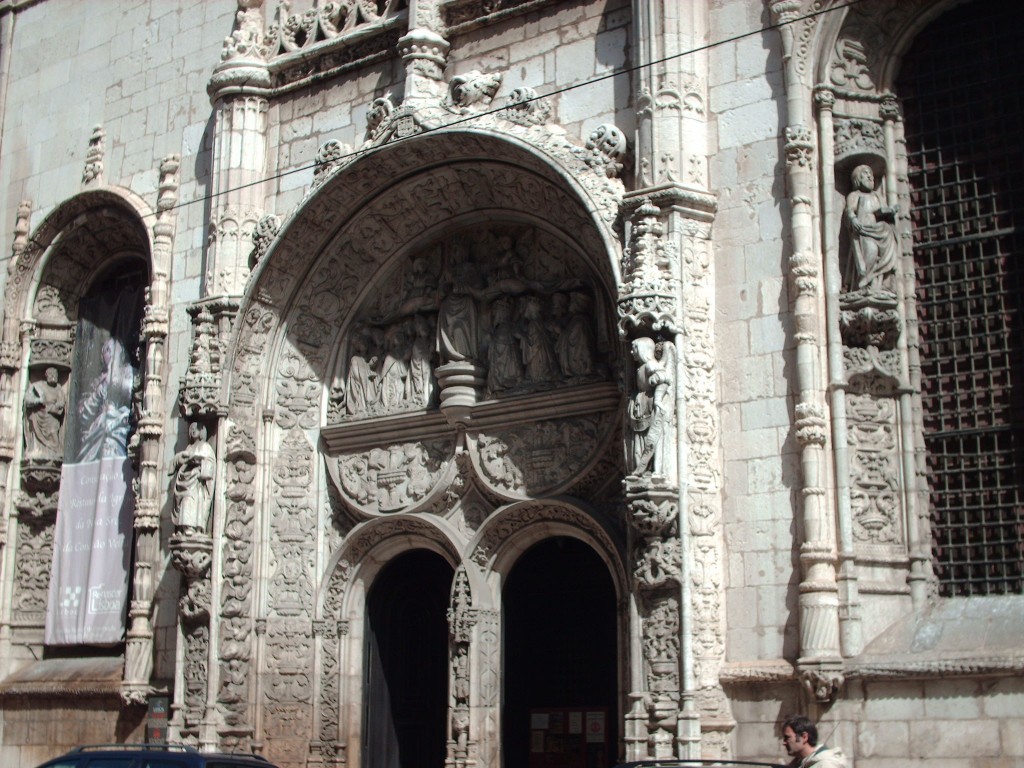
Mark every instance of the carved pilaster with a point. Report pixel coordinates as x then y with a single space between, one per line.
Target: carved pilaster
239 90
135 685
424 53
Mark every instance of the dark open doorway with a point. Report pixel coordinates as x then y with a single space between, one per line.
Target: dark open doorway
560 658
407 663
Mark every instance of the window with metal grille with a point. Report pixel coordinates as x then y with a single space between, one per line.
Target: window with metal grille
962 88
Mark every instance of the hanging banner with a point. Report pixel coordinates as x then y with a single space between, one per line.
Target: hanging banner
89 579
92 544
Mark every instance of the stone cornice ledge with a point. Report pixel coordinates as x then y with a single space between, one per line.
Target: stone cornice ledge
766 671
919 666
928 666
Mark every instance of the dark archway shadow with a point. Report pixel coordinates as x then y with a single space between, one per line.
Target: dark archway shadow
560 657
407 663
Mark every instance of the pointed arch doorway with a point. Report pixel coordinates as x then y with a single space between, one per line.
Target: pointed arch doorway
407 663
560 659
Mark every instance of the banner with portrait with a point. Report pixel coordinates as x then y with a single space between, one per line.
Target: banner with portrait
92 545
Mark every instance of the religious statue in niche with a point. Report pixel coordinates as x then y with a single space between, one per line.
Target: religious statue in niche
509 302
45 404
652 408
871 227
194 469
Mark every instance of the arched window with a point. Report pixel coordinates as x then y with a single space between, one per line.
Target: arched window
962 88
89 584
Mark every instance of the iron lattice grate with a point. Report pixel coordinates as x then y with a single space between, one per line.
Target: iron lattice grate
962 93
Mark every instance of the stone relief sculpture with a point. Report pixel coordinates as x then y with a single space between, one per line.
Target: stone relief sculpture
504 364
873 244
539 363
457 317
392 478
45 404
652 408
575 345
194 472
518 316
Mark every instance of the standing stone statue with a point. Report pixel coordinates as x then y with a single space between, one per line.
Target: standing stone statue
457 315
873 246
652 408
539 361
45 404
194 470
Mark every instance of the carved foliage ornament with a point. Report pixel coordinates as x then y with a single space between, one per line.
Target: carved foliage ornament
393 478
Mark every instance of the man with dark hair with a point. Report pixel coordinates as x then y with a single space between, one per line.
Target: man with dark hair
800 738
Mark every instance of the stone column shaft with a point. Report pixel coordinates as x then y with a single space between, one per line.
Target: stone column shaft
819 658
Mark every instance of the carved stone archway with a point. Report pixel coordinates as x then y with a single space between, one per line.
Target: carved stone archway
386 251
51 268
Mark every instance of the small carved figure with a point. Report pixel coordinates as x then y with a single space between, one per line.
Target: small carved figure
575 346
194 469
460 667
361 383
504 367
45 404
457 316
873 247
507 274
421 375
394 376
653 407
539 362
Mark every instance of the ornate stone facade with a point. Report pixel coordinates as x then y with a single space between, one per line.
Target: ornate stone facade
437 279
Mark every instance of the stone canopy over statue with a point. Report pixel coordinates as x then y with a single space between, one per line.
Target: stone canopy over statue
507 302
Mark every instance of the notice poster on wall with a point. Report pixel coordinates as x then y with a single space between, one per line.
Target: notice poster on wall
88 594
569 738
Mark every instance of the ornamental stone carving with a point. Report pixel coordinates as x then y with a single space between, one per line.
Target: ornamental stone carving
875 496
472 91
92 175
199 393
605 149
393 478
650 268
873 249
194 470
652 409
328 157
526 107
858 137
849 67
45 405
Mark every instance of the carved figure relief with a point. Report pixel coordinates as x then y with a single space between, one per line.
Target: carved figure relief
194 471
652 408
483 299
873 246
45 404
